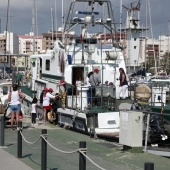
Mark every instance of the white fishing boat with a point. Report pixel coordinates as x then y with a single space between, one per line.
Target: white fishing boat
73 62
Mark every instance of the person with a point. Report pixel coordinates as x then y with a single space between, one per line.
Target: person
123 83
78 84
95 78
34 111
46 101
41 98
89 85
94 81
15 98
56 103
65 89
63 92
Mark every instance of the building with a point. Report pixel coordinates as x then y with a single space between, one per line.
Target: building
48 38
11 44
164 43
26 44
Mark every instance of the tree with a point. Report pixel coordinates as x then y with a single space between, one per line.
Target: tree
150 64
165 62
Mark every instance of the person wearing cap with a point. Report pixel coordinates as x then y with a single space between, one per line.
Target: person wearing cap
89 85
95 78
46 101
15 98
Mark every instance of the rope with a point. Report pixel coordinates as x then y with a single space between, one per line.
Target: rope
66 152
30 143
91 161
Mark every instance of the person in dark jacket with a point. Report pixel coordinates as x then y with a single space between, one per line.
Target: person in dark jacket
55 105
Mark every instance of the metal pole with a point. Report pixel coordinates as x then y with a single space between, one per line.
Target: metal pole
146 135
19 148
44 151
82 159
2 130
149 166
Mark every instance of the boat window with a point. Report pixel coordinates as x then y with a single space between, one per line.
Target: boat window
5 90
47 66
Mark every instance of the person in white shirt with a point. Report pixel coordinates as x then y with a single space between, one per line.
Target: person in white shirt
34 111
15 98
46 101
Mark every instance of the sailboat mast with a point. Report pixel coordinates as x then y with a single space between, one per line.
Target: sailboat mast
33 26
7 22
146 31
52 24
120 19
62 20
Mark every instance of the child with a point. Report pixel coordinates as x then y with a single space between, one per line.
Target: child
34 111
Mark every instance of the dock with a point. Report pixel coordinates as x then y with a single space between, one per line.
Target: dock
107 154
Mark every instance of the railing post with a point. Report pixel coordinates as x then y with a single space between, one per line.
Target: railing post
44 151
149 166
2 130
19 146
82 158
147 131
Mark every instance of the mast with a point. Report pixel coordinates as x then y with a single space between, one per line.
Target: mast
7 22
33 25
155 59
63 21
146 32
120 19
52 24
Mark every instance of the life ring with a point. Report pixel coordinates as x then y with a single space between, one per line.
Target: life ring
143 92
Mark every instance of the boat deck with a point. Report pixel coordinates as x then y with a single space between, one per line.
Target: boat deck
105 153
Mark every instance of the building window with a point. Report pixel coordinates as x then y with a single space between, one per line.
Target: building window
134 47
134 39
47 66
46 43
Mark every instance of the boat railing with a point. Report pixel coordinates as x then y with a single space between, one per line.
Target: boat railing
92 99
153 93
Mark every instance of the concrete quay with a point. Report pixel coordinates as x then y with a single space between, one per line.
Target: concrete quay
106 154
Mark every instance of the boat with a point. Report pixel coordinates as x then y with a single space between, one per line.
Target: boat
72 62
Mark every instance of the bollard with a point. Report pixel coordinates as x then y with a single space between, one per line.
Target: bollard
19 149
2 130
44 151
149 166
82 158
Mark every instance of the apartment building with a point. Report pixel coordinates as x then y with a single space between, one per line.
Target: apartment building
9 44
49 38
30 44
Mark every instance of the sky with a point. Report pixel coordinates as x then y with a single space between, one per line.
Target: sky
21 15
